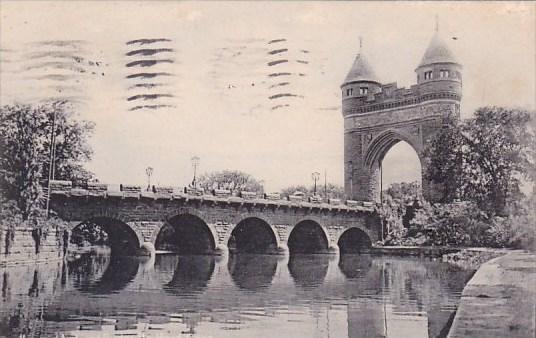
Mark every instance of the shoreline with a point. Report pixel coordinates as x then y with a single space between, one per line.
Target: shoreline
498 301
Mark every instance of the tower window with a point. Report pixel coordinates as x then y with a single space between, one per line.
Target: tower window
363 90
444 73
428 75
349 91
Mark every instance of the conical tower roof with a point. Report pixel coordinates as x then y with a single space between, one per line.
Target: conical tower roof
437 52
361 71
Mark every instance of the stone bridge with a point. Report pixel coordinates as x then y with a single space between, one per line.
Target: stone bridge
192 223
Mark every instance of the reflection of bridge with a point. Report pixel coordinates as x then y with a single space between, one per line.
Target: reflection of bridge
362 293
207 224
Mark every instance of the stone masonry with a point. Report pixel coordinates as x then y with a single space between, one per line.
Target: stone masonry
147 213
377 116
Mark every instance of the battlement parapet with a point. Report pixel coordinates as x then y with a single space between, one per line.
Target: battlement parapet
403 97
131 191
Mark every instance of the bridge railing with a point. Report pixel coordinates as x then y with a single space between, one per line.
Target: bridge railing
102 190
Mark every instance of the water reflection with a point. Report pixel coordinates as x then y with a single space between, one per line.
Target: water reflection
103 274
308 271
191 274
358 296
252 272
355 266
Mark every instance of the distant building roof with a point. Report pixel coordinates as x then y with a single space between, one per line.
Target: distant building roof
361 71
437 52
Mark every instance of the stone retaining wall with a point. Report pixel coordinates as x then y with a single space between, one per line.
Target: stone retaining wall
20 247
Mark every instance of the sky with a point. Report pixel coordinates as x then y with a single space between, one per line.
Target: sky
251 86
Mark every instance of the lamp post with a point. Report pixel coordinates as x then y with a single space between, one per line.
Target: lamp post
149 173
195 163
315 176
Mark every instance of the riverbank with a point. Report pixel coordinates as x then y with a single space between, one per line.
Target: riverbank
24 245
499 299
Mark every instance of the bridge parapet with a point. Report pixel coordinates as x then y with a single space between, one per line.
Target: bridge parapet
220 196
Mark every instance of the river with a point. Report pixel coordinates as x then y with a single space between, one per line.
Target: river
354 296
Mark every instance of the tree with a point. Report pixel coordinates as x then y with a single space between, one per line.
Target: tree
234 180
444 162
484 158
25 146
332 190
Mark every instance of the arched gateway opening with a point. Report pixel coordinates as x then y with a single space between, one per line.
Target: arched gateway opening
186 234
401 164
105 232
390 159
307 237
354 241
252 235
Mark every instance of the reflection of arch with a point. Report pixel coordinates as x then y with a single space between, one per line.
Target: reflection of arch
191 274
252 272
123 239
355 266
253 235
186 234
308 271
308 236
119 271
354 240
381 144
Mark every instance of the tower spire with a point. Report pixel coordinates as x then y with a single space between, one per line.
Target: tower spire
436 23
360 44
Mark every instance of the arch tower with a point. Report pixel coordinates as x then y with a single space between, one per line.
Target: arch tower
377 116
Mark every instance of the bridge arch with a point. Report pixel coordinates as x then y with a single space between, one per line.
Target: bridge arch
354 240
308 236
185 233
123 239
253 234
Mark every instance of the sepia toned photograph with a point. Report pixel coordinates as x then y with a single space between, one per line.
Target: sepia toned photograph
291 169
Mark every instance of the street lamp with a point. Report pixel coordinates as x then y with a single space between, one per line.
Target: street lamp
315 176
195 163
149 173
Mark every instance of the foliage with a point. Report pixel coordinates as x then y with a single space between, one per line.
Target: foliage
89 232
329 190
25 148
484 158
398 203
232 180
445 162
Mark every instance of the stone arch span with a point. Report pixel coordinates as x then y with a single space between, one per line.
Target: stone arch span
308 236
185 233
253 234
124 240
354 240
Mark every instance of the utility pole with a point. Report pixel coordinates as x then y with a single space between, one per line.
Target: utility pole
52 157
381 182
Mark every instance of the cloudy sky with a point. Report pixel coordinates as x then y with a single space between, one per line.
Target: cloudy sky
243 85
